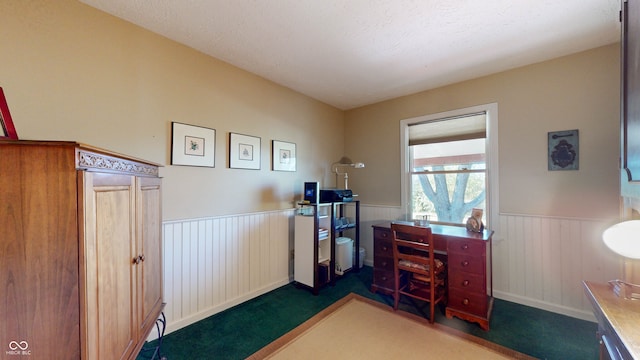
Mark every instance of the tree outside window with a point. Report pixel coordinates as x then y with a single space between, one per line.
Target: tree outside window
448 180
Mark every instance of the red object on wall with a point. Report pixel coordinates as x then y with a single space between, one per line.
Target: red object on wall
9 131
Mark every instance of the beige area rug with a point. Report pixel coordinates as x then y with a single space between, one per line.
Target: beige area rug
359 328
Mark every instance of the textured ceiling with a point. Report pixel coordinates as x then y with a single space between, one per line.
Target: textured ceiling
350 53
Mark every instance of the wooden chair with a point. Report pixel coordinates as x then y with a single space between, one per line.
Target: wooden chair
418 273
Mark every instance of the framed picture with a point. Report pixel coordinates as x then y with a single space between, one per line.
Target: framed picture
563 150
244 151
8 131
284 156
192 145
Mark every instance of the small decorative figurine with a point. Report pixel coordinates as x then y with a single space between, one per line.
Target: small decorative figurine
474 222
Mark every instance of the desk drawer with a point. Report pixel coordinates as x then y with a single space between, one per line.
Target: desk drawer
466 247
469 302
382 248
383 263
381 234
466 263
383 278
467 282
382 253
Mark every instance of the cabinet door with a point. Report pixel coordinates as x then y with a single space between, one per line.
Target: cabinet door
109 293
149 250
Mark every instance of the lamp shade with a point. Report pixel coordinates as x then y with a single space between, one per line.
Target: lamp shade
624 238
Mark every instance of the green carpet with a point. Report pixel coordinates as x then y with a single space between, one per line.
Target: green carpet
242 330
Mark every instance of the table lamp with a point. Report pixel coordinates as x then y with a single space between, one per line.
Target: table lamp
624 239
345 162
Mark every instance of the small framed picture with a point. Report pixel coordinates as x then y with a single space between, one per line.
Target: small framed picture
563 150
192 145
8 131
284 156
244 151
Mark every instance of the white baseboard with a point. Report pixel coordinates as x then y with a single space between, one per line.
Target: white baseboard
201 315
559 309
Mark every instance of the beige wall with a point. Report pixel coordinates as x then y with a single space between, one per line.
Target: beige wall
580 91
71 72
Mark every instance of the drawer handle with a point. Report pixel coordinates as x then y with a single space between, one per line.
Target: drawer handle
384 235
465 283
465 263
384 264
384 278
465 247
465 302
384 248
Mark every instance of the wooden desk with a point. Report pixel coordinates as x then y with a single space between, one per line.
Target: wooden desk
470 290
618 322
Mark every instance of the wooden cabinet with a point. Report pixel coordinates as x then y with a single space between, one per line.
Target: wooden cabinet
468 260
80 254
618 319
630 109
316 228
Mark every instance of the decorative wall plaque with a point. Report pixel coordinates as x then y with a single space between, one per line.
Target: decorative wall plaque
563 150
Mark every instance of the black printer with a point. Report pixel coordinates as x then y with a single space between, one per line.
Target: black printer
335 195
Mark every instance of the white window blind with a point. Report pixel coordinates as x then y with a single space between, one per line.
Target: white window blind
471 126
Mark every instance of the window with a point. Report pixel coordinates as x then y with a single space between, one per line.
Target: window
447 180
449 160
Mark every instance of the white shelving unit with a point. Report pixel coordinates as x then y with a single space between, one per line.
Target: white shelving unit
312 254
315 242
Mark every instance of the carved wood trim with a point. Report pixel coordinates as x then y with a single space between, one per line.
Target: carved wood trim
87 160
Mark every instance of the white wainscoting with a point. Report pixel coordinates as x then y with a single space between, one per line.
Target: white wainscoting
371 215
541 262
212 264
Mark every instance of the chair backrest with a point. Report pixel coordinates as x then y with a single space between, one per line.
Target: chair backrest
414 244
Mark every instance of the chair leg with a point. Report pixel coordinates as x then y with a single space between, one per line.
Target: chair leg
433 312
396 298
396 293
432 306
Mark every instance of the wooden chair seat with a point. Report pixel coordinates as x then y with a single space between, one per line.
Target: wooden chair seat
410 265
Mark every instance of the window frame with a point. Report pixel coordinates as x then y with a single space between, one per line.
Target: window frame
491 153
